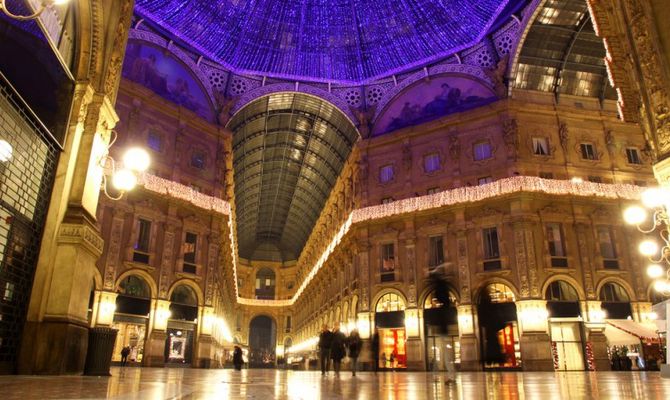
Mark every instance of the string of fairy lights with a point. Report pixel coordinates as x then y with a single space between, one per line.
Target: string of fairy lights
335 40
453 197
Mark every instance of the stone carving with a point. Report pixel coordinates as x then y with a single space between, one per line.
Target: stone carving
81 234
166 262
113 250
407 156
213 260
411 295
563 135
521 269
497 76
609 142
532 265
224 107
586 261
464 271
511 137
364 118
454 147
118 48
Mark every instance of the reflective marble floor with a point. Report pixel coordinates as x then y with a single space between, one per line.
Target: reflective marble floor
150 384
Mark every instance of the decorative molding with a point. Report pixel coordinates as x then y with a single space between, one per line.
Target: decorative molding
79 234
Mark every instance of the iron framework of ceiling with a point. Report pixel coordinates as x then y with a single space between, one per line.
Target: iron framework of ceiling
288 151
562 53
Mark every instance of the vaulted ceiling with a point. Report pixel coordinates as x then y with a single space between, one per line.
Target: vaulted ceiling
288 150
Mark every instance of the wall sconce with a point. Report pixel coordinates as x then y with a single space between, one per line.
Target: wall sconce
37 13
124 177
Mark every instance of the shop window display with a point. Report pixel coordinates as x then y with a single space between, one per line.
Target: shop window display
499 327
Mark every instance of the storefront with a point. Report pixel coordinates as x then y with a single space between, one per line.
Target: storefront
632 345
565 327
437 340
499 328
133 305
390 324
181 328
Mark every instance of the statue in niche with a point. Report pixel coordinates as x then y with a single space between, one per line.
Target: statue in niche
407 156
454 147
364 117
648 151
609 142
224 106
563 133
511 137
497 76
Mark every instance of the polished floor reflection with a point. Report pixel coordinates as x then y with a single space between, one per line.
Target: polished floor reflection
154 384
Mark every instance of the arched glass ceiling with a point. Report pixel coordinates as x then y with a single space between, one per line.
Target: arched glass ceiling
562 53
333 40
288 151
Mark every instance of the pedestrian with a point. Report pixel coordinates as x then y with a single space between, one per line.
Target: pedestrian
449 365
237 358
438 283
374 343
124 355
354 343
392 361
337 348
325 342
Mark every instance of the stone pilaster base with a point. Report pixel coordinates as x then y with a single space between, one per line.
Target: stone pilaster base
470 354
55 348
536 352
415 351
154 352
599 348
206 350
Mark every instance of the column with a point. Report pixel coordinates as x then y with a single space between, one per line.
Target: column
57 320
155 348
206 346
594 325
414 347
470 358
535 342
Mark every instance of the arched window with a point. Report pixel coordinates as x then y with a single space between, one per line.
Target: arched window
134 286
432 302
613 293
498 293
561 291
184 295
265 284
390 302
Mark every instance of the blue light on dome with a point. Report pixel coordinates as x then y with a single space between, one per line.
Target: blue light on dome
326 40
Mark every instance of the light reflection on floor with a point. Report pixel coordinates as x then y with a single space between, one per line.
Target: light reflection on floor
155 384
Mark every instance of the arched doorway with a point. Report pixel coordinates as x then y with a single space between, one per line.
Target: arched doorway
133 305
437 339
390 324
566 328
265 284
262 341
498 326
615 301
181 325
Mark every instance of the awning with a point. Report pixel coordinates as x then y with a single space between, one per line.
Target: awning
617 337
643 332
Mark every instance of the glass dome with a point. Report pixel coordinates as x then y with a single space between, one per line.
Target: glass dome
326 40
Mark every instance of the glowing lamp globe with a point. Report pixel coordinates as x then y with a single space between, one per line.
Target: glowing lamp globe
655 271
124 180
136 159
634 215
661 285
6 151
655 197
648 248
59 2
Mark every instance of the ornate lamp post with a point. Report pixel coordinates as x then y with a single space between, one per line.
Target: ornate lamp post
124 176
36 14
654 215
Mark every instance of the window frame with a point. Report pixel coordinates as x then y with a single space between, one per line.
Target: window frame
588 151
387 275
386 178
545 148
477 145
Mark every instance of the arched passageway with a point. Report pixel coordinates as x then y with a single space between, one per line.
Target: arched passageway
262 341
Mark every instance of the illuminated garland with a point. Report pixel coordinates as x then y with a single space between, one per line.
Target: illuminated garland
452 197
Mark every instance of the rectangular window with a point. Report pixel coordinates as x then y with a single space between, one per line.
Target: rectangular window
431 162
607 248
155 141
435 251
198 159
556 245
288 324
633 156
9 291
433 190
484 180
386 173
540 146
546 175
482 151
595 179
141 247
588 151
190 249
388 263
491 249
387 200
